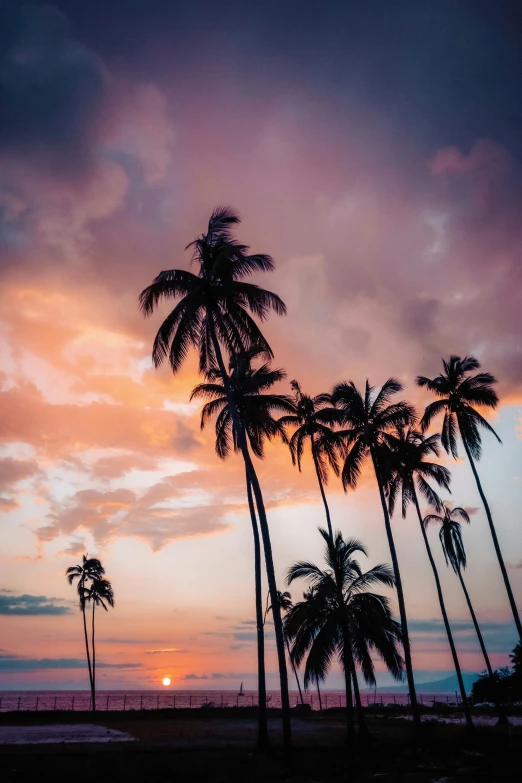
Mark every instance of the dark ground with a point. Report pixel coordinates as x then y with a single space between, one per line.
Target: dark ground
217 747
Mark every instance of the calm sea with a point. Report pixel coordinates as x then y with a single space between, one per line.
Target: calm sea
172 698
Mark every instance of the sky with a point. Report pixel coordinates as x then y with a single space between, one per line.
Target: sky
374 150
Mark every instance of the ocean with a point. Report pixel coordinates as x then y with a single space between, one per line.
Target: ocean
169 698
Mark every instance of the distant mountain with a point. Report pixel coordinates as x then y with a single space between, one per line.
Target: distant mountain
447 685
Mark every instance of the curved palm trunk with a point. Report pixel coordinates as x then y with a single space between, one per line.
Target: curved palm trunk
93 662
294 670
400 598
507 583
323 494
267 546
456 664
498 704
262 726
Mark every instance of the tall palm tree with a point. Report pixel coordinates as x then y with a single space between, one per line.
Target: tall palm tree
411 469
254 409
369 419
313 418
86 572
285 602
99 593
343 618
459 393
214 312
450 536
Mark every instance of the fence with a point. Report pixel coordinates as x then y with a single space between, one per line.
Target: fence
117 701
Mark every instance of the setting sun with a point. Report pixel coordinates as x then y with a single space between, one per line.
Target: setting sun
166 681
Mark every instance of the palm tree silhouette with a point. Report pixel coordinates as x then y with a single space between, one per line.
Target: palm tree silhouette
450 536
342 618
285 602
459 392
215 310
371 418
254 410
313 418
410 471
88 571
99 593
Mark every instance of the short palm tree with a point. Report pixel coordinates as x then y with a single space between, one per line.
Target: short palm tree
459 392
450 536
369 418
343 618
99 593
215 313
88 571
411 469
313 418
255 407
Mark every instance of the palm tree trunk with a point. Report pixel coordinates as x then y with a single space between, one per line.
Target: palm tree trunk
262 725
363 728
87 644
319 695
498 704
350 732
507 583
456 664
269 560
93 662
400 598
294 670
323 494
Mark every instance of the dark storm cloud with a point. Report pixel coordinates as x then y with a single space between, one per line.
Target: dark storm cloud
50 85
31 605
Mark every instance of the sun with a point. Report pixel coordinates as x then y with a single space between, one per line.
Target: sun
166 681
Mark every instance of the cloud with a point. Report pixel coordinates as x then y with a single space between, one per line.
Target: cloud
32 605
498 636
194 677
165 650
16 663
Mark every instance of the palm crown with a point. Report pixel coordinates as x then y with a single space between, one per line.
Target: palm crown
89 570
215 303
254 407
459 392
450 534
410 468
370 418
340 599
100 593
313 418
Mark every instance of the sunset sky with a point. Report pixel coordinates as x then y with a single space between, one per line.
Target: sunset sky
374 149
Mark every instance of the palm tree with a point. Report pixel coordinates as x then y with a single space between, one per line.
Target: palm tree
285 602
370 419
254 409
215 310
450 536
459 392
313 418
87 572
100 593
411 469
342 618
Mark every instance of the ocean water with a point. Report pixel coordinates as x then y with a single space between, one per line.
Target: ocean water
169 698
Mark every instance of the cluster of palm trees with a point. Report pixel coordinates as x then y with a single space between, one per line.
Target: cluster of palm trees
215 313
97 591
